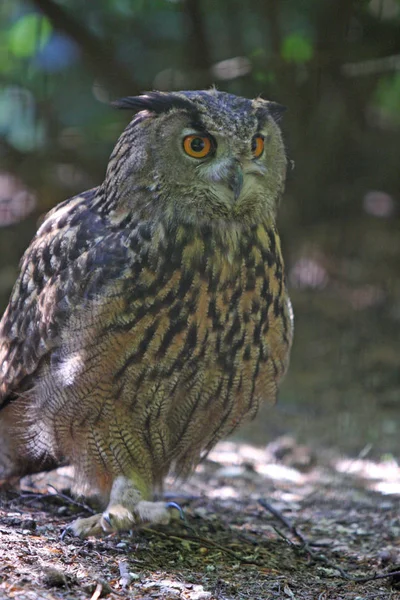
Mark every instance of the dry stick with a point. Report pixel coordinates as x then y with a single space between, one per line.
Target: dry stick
126 578
305 545
82 505
97 592
38 496
376 576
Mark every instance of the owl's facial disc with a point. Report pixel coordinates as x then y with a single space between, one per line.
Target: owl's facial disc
218 163
232 168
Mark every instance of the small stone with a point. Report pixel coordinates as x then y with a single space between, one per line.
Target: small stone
231 471
53 577
30 524
201 595
168 592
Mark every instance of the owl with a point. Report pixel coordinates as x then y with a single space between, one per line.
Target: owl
150 316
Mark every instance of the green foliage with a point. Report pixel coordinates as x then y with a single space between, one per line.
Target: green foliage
387 96
297 48
29 34
5 63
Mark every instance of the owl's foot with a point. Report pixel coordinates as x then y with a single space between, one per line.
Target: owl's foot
126 510
119 518
85 527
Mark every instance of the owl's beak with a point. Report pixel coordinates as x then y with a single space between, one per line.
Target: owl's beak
235 179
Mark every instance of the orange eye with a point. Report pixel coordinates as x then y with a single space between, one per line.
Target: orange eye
257 146
197 146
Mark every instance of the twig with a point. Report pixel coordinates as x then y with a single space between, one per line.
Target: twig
38 496
67 498
374 576
284 537
126 578
97 592
305 546
292 528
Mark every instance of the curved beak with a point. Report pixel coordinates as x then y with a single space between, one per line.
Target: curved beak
235 179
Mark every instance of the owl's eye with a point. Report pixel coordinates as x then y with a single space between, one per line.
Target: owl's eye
257 145
197 146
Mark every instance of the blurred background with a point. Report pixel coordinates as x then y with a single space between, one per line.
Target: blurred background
336 66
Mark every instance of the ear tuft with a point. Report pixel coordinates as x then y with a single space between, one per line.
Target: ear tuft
157 102
276 110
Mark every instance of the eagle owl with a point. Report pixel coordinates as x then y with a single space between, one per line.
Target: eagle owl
150 316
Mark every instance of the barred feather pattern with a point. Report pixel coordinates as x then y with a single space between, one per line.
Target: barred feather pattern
157 342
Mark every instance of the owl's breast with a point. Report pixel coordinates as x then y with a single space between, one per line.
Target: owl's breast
242 330
186 349
210 343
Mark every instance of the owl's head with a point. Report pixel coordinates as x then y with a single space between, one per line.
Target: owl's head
199 157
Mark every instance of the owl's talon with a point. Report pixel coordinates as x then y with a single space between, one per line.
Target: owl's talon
86 527
178 508
117 518
106 518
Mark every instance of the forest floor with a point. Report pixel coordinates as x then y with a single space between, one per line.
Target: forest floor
335 534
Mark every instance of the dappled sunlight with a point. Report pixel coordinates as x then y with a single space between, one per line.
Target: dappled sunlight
280 472
259 459
224 493
242 461
235 453
383 477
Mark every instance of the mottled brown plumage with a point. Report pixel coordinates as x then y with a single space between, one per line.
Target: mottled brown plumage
151 316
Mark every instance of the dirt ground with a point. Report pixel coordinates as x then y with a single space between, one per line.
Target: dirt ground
337 520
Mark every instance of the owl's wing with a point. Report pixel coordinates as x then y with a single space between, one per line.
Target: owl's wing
69 256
